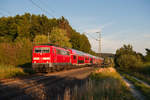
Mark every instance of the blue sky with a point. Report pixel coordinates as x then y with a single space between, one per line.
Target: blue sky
120 21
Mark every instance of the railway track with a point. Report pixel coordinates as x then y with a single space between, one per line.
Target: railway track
42 87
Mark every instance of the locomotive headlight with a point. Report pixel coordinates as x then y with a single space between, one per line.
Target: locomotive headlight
46 58
36 58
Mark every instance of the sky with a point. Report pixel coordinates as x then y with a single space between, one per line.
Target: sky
119 21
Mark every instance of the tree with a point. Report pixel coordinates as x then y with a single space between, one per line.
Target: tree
126 49
24 26
84 44
128 61
8 29
75 40
59 37
40 39
147 56
126 57
80 42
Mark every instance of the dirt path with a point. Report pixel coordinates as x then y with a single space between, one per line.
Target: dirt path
137 94
146 84
43 87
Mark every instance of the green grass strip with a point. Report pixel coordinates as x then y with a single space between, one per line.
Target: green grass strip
145 90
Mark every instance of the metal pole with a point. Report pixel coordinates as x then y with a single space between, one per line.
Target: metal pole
100 43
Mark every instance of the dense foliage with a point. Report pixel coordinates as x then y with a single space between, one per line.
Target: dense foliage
127 58
147 57
59 37
16 53
19 33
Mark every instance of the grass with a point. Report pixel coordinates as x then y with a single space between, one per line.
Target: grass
145 90
143 72
9 71
143 77
104 84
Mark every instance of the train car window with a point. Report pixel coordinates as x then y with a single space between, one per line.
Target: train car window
58 51
63 52
68 53
74 57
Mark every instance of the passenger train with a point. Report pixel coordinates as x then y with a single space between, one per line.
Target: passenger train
49 58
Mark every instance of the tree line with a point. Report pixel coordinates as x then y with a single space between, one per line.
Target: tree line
19 33
128 59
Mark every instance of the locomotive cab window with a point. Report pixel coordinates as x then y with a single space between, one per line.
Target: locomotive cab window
45 50
42 50
37 50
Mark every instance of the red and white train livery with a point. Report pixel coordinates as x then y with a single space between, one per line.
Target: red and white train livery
47 58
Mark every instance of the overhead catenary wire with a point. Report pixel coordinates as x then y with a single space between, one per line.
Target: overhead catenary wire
44 10
99 40
46 5
92 37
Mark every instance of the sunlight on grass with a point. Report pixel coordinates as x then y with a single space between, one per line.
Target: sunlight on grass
104 84
10 71
143 72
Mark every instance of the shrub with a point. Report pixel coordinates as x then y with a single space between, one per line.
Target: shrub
41 39
17 53
128 61
10 71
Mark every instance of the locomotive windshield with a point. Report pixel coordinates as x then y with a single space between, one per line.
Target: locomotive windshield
42 50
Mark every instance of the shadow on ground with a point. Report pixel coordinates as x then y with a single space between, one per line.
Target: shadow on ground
48 88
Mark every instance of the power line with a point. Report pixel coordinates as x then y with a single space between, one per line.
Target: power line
47 6
41 8
99 41
92 36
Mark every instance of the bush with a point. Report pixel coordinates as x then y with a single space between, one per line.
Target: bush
144 69
127 58
41 39
128 61
10 71
17 53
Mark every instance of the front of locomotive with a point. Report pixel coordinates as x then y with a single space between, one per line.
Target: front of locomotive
41 58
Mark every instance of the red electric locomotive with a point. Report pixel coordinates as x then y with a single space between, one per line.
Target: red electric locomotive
47 58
